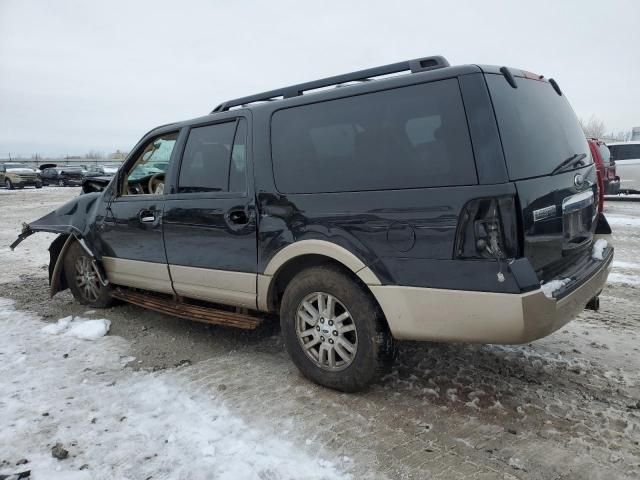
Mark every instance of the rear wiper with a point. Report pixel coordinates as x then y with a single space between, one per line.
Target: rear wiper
571 161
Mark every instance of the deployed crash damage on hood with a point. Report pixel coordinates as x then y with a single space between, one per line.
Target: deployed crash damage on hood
75 220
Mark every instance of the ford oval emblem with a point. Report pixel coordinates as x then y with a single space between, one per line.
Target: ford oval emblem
578 180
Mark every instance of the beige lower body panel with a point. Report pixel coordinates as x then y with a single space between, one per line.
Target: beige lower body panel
220 286
481 317
137 274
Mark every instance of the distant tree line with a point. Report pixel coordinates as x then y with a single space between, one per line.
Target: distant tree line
594 127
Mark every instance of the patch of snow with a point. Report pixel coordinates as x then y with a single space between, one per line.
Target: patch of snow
615 277
125 424
57 328
79 327
553 286
598 249
516 463
623 221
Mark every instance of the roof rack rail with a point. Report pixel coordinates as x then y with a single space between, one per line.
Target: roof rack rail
415 66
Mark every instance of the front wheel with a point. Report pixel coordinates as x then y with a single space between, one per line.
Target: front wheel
38 185
334 331
83 279
61 183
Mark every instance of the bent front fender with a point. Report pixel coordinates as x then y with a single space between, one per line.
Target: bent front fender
76 217
74 221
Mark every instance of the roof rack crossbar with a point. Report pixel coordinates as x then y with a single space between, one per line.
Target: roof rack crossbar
415 66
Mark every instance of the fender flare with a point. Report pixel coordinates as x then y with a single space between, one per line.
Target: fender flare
311 247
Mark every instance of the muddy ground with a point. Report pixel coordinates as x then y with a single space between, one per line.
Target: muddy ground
564 407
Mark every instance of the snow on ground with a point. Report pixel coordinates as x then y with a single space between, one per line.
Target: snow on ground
616 221
565 406
32 255
616 277
79 327
117 424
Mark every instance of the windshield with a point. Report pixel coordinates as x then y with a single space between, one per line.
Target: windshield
537 126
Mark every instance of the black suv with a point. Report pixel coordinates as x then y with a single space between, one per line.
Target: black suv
62 176
452 203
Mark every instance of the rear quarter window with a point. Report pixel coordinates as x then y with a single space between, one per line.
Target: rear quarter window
410 137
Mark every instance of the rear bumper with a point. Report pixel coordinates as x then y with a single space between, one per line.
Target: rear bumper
483 317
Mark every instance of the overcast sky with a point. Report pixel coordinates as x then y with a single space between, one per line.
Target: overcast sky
79 75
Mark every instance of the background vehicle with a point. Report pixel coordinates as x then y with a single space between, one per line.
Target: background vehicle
100 171
62 176
18 175
627 158
608 181
426 206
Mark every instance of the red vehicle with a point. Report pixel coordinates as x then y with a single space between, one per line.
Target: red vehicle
608 181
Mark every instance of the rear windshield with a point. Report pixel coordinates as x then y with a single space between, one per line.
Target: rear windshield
625 152
537 126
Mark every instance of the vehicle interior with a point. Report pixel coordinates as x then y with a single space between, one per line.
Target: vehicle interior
146 174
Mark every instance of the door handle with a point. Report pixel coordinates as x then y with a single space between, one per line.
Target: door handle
239 217
147 216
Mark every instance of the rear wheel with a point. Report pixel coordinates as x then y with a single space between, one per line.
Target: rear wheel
83 279
334 331
8 185
38 185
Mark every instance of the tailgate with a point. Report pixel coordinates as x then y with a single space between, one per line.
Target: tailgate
558 219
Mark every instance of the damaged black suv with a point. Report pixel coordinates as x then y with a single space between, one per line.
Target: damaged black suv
451 203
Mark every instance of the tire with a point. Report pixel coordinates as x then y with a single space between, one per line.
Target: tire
8 185
61 183
38 185
374 347
88 290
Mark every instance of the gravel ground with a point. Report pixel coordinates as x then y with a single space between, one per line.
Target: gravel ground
564 407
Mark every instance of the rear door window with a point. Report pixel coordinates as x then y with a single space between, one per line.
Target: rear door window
213 161
537 126
410 137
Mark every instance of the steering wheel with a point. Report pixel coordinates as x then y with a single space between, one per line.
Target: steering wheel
156 184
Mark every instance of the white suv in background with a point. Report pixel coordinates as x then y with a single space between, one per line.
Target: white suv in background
627 158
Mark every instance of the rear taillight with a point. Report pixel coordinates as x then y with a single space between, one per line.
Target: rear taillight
488 229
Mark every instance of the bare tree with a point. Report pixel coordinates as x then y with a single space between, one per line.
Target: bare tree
593 128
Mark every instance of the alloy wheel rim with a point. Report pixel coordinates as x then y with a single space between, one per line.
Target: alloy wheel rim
326 331
87 278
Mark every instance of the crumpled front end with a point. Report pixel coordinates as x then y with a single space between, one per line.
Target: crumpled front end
75 220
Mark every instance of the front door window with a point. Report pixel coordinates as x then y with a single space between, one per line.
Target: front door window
147 173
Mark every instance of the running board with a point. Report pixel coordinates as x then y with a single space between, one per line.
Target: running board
188 311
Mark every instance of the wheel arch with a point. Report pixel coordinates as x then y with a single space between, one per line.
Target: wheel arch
294 258
57 252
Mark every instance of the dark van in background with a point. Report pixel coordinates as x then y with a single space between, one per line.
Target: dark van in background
451 203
